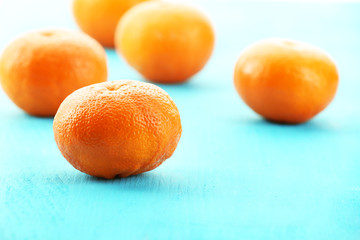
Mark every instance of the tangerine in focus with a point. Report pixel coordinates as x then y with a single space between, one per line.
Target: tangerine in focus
117 129
99 18
165 42
39 69
285 81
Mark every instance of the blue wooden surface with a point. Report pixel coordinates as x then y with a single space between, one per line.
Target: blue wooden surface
233 175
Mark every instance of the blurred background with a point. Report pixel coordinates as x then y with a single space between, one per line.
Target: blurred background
238 23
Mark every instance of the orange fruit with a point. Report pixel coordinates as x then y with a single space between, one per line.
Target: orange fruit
99 18
117 129
285 81
165 42
39 69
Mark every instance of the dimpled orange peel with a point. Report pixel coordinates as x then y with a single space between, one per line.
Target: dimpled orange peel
117 129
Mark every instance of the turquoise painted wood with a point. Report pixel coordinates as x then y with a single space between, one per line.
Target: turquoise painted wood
233 175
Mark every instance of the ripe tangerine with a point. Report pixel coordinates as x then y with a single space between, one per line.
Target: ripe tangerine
119 128
165 42
285 81
39 69
99 18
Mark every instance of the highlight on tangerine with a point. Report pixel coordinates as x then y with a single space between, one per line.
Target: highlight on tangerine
117 129
285 81
165 42
40 68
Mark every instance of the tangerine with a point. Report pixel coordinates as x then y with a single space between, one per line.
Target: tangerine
118 128
99 18
286 81
39 69
165 42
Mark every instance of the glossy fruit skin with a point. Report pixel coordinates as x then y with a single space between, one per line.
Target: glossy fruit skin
285 81
117 129
165 42
99 18
39 69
